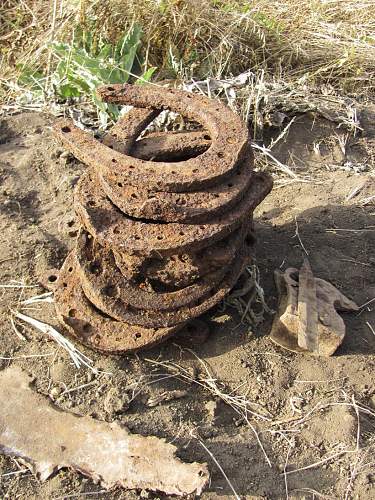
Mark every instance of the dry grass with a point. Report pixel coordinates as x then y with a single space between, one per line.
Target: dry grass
329 43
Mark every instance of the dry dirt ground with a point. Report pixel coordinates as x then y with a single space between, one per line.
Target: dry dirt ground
319 414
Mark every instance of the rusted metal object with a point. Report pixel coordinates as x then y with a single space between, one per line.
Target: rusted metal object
156 319
98 272
182 269
229 137
166 220
94 329
114 229
146 203
196 206
125 132
173 146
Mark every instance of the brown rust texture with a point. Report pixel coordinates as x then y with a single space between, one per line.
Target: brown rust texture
98 271
122 138
174 146
196 206
166 219
230 141
184 268
90 327
142 236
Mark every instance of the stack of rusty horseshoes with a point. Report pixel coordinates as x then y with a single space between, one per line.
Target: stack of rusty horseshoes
166 221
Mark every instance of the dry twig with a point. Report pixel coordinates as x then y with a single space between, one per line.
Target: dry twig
79 359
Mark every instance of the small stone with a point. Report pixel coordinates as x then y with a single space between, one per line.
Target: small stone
55 391
211 407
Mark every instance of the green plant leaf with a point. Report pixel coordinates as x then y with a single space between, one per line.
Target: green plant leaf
67 91
89 62
127 42
105 51
146 76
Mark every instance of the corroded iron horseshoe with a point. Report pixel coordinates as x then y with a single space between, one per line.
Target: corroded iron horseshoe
228 134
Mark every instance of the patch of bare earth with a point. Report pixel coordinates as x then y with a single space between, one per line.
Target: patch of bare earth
309 425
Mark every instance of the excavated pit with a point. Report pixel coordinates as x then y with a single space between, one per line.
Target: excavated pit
166 220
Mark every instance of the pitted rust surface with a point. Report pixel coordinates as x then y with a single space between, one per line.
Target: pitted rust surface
181 270
161 319
123 233
175 146
141 202
229 137
125 132
166 220
98 271
157 146
195 206
94 329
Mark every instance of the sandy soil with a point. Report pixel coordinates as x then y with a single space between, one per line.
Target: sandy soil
315 408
